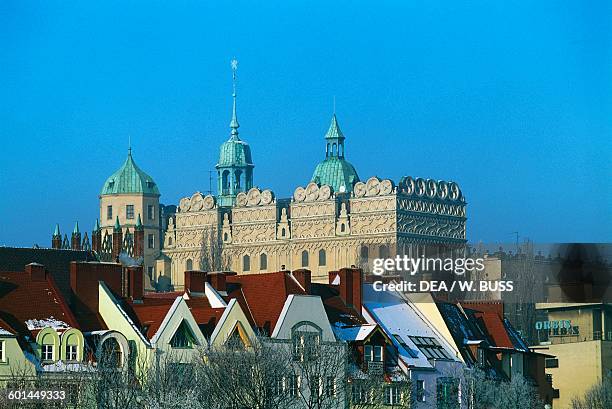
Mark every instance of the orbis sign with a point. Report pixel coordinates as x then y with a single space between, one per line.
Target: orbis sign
553 324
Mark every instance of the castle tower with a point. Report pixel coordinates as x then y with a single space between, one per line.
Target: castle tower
96 237
127 193
56 239
235 166
117 239
335 170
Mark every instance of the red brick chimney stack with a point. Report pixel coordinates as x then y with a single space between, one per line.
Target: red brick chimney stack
135 290
37 272
217 280
351 281
194 281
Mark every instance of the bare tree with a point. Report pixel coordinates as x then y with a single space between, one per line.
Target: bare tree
211 252
598 397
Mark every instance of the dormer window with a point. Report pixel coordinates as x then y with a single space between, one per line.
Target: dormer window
305 345
47 352
430 347
373 353
183 337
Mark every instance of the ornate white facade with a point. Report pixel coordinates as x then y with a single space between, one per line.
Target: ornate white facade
316 228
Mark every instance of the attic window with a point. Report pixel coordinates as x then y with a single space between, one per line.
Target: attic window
150 183
183 337
430 347
111 183
404 345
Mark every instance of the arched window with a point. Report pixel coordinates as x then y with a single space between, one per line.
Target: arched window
170 240
383 251
304 258
225 182
342 228
189 264
263 261
334 149
322 257
246 263
364 253
237 176
283 232
111 356
225 236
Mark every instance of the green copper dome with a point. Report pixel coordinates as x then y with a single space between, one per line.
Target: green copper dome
335 171
235 152
129 179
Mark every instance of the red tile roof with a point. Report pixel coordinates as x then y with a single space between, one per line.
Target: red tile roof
22 299
262 296
495 328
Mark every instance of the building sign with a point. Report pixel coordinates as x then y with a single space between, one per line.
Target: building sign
563 326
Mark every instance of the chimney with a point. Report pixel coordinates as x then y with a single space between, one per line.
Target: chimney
36 272
135 290
351 287
84 277
303 276
217 280
194 281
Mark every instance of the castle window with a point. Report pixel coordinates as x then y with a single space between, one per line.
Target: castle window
383 251
170 241
109 212
189 264
322 257
151 212
342 228
225 182
246 263
263 261
304 258
364 253
151 241
283 232
129 211
225 236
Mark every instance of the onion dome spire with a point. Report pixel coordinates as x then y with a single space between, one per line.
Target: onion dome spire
234 125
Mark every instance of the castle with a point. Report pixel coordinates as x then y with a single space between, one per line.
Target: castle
336 220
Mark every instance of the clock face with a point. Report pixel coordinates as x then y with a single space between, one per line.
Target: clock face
185 204
359 189
266 197
300 194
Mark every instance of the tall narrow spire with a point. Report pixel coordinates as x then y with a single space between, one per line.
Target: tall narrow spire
234 123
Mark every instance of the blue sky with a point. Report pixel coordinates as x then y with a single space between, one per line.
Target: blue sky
512 101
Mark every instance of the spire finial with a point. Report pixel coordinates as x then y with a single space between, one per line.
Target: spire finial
334 105
234 123
129 144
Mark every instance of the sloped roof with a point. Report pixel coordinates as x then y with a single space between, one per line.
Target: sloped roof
27 305
57 262
262 296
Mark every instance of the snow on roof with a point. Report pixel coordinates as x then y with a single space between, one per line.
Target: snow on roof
5 332
166 319
34 323
400 321
61 366
215 300
353 332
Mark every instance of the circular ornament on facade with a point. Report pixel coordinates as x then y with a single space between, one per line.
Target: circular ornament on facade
197 201
442 189
386 187
324 192
431 188
453 191
420 187
372 186
312 192
241 199
359 189
185 204
253 197
408 185
300 194
209 202
266 197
